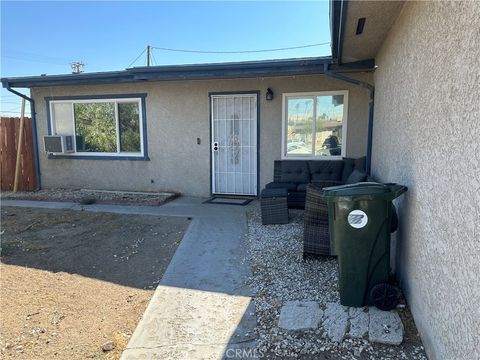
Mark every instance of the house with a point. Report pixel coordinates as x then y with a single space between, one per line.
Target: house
401 88
195 129
426 135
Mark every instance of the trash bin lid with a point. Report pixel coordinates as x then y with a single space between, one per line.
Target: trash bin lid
370 189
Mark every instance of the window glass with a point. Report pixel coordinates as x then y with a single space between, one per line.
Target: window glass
95 127
62 113
314 124
329 124
299 125
129 127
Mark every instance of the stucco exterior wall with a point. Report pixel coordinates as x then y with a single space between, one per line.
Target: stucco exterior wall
178 113
426 136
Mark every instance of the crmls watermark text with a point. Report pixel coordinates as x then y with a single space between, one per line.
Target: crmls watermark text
244 354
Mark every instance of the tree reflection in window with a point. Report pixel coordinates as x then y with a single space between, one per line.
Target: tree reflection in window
129 126
95 127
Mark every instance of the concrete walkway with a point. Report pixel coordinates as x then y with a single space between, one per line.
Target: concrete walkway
202 307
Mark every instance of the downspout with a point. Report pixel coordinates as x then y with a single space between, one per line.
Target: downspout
371 93
34 135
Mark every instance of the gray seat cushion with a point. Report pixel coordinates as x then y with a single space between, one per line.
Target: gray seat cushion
271 193
326 169
355 177
295 171
277 185
302 187
350 164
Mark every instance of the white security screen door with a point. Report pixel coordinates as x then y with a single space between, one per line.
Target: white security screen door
234 144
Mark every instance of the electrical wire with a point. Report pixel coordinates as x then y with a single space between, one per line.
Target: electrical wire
138 57
239 51
154 59
13 112
13 109
32 60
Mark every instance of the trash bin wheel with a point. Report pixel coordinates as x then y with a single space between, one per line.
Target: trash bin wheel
384 296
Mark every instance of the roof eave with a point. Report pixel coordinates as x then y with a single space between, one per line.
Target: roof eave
338 13
178 72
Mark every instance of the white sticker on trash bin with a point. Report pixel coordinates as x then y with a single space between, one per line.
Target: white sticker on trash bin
357 219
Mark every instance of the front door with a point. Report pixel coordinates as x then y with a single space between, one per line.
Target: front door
234 144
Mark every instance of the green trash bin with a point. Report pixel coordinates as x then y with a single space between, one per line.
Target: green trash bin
360 222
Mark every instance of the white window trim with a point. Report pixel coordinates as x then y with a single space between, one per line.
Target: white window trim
297 95
89 101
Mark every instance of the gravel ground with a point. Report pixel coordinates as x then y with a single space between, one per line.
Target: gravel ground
280 274
102 197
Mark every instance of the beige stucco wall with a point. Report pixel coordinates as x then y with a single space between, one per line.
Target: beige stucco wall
178 113
426 136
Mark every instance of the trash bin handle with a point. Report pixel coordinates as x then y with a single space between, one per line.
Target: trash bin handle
367 183
399 190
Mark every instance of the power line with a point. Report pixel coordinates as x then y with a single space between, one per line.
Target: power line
138 57
33 60
12 109
16 52
154 59
238 51
14 112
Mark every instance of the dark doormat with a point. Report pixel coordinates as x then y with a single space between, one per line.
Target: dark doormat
223 200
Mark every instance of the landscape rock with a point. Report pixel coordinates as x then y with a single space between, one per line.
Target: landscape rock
359 321
336 321
281 274
300 315
385 327
108 346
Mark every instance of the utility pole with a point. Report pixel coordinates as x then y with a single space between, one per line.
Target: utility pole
77 67
19 147
148 55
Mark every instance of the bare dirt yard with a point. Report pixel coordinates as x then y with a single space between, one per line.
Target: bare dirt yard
93 196
73 282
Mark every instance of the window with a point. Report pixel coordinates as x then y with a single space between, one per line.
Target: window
111 127
314 124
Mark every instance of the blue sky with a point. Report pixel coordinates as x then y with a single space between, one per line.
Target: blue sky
44 37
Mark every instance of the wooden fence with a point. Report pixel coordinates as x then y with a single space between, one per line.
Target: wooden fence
9 130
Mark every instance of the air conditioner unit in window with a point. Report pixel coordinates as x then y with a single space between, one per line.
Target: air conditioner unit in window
58 143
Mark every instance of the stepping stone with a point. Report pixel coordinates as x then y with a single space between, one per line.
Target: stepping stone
385 327
299 315
336 321
359 320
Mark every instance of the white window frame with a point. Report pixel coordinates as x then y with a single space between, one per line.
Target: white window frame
116 101
313 94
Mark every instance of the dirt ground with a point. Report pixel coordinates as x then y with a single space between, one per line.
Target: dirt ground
93 196
72 281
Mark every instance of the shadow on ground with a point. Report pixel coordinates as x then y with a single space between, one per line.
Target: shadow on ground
130 250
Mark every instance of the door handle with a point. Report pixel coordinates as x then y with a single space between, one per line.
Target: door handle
215 146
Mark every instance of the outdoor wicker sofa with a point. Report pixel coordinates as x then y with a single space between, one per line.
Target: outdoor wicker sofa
295 175
304 181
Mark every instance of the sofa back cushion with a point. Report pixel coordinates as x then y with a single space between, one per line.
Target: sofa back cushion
325 169
356 176
350 164
294 171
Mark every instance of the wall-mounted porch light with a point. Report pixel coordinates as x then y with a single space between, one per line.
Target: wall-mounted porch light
269 94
